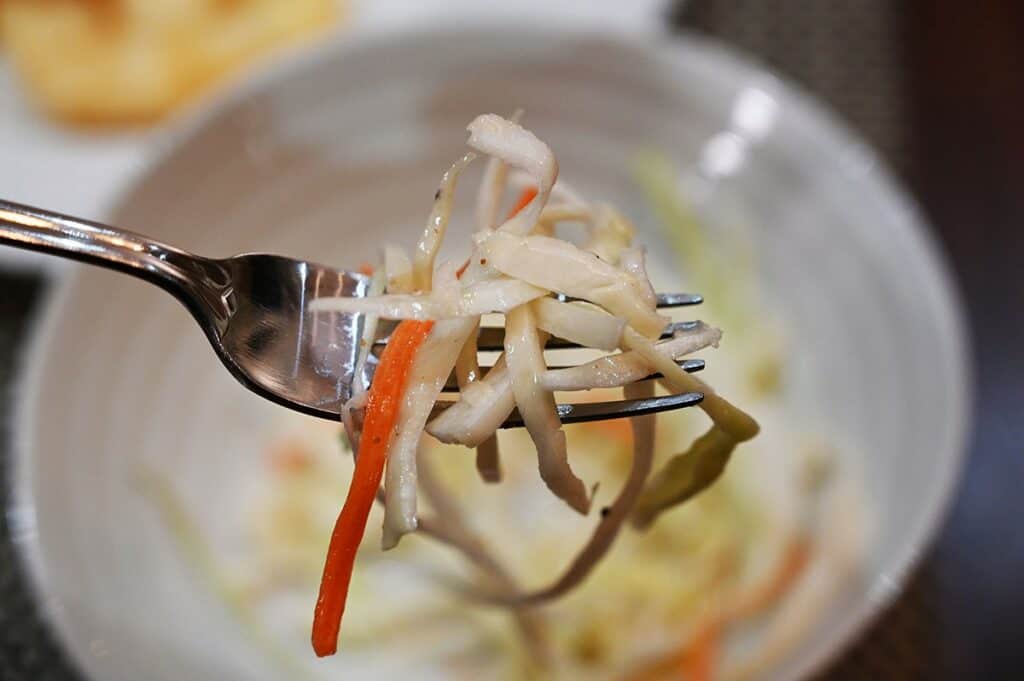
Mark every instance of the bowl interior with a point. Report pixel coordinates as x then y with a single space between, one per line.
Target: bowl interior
330 156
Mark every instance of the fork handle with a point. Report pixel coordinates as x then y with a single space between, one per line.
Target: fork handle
196 281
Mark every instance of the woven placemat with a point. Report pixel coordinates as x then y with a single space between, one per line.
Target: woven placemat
28 651
846 53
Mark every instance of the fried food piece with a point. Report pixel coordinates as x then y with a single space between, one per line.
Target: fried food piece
120 62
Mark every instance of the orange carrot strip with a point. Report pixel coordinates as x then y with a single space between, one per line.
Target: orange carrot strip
365 268
618 430
290 457
383 402
789 568
524 199
698 662
381 413
695 659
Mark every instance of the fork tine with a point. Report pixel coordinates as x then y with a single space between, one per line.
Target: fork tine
688 365
679 299
601 411
665 300
493 337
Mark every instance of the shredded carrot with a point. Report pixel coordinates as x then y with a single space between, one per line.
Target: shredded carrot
365 268
618 430
695 659
698 660
382 407
521 203
290 457
789 568
524 199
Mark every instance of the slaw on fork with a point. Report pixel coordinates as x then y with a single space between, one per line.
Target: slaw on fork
514 267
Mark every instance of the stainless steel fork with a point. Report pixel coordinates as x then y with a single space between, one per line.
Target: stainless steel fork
254 310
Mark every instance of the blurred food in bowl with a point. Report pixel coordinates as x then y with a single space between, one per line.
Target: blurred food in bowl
724 588
121 62
328 176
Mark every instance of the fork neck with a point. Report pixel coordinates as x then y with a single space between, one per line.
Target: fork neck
203 285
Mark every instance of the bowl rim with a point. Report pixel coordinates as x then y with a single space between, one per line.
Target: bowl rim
827 129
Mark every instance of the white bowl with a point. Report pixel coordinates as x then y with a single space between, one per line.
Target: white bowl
325 155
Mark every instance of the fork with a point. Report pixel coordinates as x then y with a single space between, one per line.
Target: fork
254 310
